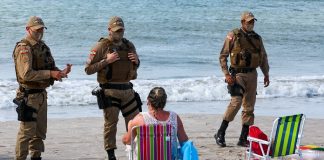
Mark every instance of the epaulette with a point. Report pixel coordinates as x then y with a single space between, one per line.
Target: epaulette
237 32
21 44
24 42
102 39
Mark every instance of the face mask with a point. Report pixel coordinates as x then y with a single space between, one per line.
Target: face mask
249 27
37 36
117 36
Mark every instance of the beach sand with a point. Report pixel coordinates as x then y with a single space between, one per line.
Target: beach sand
82 139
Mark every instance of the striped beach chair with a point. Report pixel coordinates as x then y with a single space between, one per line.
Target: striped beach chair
284 139
153 142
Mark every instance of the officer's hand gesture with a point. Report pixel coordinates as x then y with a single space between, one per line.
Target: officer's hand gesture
57 75
266 81
133 57
112 57
66 70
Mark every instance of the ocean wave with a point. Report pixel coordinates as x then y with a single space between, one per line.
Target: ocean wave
74 92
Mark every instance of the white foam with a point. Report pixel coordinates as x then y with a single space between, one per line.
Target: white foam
74 92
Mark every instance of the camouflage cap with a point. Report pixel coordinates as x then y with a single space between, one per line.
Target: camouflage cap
116 23
247 16
35 23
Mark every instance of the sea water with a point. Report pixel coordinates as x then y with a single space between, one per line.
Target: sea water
178 42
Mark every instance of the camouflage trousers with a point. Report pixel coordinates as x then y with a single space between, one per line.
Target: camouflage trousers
129 110
249 83
31 134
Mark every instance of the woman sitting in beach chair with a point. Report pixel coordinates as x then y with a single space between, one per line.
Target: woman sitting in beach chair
156 119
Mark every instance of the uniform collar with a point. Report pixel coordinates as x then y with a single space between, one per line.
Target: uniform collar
247 33
31 41
243 30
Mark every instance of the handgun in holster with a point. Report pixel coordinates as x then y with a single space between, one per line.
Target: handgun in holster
102 100
25 112
235 89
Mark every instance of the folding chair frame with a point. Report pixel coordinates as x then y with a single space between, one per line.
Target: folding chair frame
267 155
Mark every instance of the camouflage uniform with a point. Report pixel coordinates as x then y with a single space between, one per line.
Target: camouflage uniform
33 62
114 78
246 52
245 77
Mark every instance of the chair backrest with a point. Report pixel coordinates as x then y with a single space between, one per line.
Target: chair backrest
154 142
288 135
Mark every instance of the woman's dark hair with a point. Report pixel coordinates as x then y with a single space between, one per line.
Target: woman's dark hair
157 97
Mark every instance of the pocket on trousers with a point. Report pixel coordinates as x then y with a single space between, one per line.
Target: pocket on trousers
34 100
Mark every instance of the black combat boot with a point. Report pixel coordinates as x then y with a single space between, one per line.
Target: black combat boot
220 135
36 158
243 137
111 154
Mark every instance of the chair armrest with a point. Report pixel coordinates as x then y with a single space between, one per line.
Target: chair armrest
129 151
257 140
128 148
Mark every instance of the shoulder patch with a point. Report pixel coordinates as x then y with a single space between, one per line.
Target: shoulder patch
23 50
93 52
90 58
230 35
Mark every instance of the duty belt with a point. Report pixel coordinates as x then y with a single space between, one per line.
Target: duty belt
243 70
32 91
116 86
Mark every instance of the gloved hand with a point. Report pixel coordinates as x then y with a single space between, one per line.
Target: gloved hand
266 81
229 79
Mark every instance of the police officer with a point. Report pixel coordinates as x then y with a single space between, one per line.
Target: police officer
35 71
115 60
246 51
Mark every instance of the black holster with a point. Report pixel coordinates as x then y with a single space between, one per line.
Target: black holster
25 112
102 100
235 90
138 106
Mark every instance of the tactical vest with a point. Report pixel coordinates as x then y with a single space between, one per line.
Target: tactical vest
245 51
122 70
41 60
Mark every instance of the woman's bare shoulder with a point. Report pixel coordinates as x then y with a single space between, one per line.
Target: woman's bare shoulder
138 120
